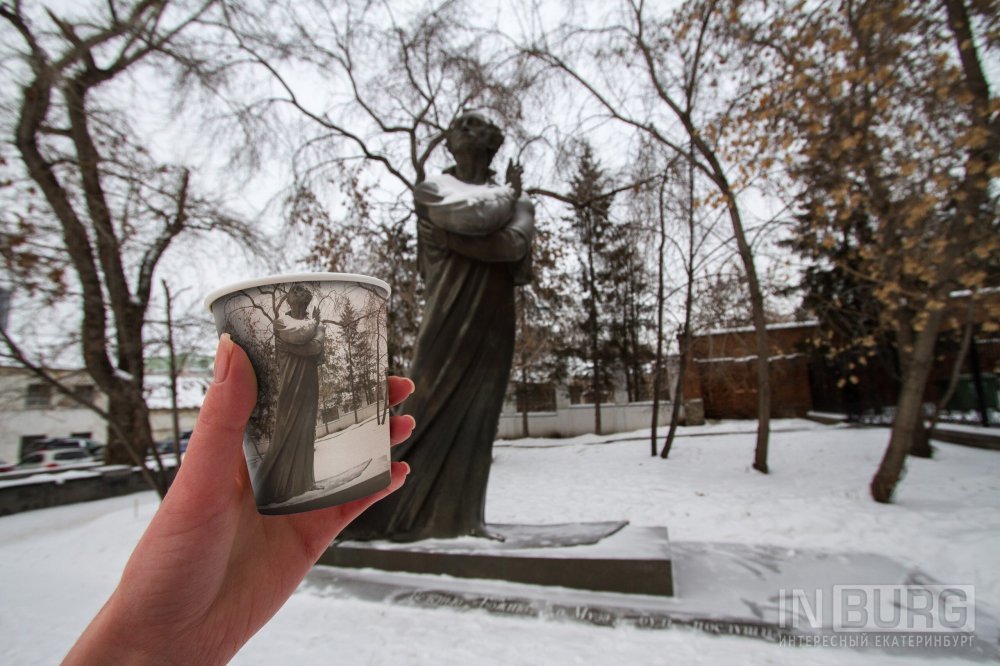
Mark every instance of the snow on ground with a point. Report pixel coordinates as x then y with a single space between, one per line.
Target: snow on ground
58 565
350 447
943 521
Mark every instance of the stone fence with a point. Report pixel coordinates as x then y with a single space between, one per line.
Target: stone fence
40 491
348 419
572 420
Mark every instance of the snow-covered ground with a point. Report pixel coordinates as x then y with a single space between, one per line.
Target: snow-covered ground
58 565
345 459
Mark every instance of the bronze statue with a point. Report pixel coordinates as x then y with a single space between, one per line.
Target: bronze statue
287 470
474 244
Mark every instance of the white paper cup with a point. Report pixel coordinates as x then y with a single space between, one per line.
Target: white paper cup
319 434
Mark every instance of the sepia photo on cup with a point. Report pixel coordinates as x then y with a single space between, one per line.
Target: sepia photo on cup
319 433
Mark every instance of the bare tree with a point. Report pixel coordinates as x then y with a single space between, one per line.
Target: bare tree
689 243
108 208
658 365
686 335
677 73
392 79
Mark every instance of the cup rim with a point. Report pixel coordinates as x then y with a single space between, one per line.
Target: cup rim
293 277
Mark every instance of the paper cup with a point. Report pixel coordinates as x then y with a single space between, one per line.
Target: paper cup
319 434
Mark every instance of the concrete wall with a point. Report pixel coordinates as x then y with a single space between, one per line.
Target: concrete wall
40 493
347 420
573 420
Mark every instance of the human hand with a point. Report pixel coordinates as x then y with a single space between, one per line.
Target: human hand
210 570
514 173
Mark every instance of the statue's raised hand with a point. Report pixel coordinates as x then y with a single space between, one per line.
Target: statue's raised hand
514 173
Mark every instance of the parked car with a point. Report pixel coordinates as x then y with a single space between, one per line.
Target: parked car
54 459
91 446
167 445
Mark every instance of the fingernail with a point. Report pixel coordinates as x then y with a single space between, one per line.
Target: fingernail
223 355
413 422
407 467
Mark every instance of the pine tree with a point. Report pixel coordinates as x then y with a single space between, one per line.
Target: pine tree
356 352
543 308
626 274
593 227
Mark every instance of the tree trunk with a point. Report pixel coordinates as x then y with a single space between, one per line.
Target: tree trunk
977 383
597 399
760 338
174 416
718 176
685 343
659 326
378 380
908 410
678 399
921 446
130 438
920 440
956 369
524 402
595 384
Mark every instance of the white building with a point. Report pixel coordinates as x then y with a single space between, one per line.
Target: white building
31 409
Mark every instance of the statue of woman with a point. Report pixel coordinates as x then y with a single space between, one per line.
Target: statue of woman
287 469
474 244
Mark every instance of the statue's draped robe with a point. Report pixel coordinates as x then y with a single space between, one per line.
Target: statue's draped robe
287 469
461 362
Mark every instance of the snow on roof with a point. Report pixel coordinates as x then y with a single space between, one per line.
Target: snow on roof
190 391
770 327
747 359
964 293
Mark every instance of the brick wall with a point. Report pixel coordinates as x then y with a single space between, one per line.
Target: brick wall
723 372
723 366
729 388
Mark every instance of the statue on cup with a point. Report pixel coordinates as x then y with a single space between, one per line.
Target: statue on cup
474 246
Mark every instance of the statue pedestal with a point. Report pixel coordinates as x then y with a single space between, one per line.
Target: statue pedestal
727 589
603 557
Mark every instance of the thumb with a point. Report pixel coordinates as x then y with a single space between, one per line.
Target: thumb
216 446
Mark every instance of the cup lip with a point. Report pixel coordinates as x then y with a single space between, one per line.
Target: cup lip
293 277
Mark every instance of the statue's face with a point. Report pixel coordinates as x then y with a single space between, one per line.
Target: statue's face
473 132
299 296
